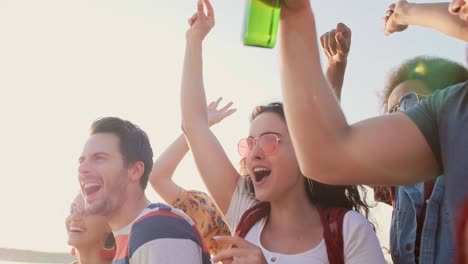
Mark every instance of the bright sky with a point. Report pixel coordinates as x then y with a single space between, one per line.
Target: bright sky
64 63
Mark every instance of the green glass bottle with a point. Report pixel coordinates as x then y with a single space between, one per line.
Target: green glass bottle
261 23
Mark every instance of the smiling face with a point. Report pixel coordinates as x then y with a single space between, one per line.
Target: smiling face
273 175
85 230
103 175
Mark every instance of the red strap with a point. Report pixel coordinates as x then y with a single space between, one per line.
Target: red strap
250 217
461 230
332 222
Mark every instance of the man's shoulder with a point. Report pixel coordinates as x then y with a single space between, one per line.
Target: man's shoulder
455 92
161 232
157 211
160 221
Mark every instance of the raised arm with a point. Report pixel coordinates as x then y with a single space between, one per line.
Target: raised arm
166 164
214 166
336 44
163 170
431 15
387 150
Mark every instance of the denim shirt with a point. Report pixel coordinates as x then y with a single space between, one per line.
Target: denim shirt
437 241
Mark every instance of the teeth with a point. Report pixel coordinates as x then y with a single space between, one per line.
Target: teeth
88 185
76 229
260 169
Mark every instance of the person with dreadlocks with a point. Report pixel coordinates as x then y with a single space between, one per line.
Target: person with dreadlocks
421 228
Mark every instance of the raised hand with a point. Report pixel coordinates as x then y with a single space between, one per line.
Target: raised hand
201 23
216 115
336 43
241 251
393 16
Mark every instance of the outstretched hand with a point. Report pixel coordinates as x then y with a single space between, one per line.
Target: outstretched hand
216 115
393 16
201 23
336 43
241 251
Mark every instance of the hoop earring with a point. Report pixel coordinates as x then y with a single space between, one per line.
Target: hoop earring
311 184
108 253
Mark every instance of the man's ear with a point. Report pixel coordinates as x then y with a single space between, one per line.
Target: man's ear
135 171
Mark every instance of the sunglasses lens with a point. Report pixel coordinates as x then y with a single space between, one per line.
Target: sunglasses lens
408 101
243 148
269 143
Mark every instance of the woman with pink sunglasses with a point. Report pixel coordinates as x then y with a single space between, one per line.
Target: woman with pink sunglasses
278 215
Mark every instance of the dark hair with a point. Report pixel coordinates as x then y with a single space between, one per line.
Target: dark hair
134 143
323 195
110 241
436 73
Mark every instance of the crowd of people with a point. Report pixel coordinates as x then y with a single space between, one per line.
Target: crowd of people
287 202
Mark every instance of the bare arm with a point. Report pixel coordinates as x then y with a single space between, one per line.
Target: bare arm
214 166
431 15
163 170
336 45
166 164
328 149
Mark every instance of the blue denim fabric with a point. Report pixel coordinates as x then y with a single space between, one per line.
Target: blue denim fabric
437 240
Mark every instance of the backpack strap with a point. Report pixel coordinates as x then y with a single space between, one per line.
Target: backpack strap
250 217
332 222
461 229
331 219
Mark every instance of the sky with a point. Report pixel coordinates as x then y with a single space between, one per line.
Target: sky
65 63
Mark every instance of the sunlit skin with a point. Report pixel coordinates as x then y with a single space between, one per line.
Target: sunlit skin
111 187
285 175
283 188
86 233
459 8
102 166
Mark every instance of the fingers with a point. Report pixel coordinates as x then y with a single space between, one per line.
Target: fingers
228 113
209 8
343 44
388 14
343 38
332 42
324 42
229 254
216 103
342 28
200 10
233 240
193 19
210 106
226 107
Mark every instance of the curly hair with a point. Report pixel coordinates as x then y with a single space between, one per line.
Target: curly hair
323 195
436 73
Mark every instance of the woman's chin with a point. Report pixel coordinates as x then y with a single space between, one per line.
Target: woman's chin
262 196
74 242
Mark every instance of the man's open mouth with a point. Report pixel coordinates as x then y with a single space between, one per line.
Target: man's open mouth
90 188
